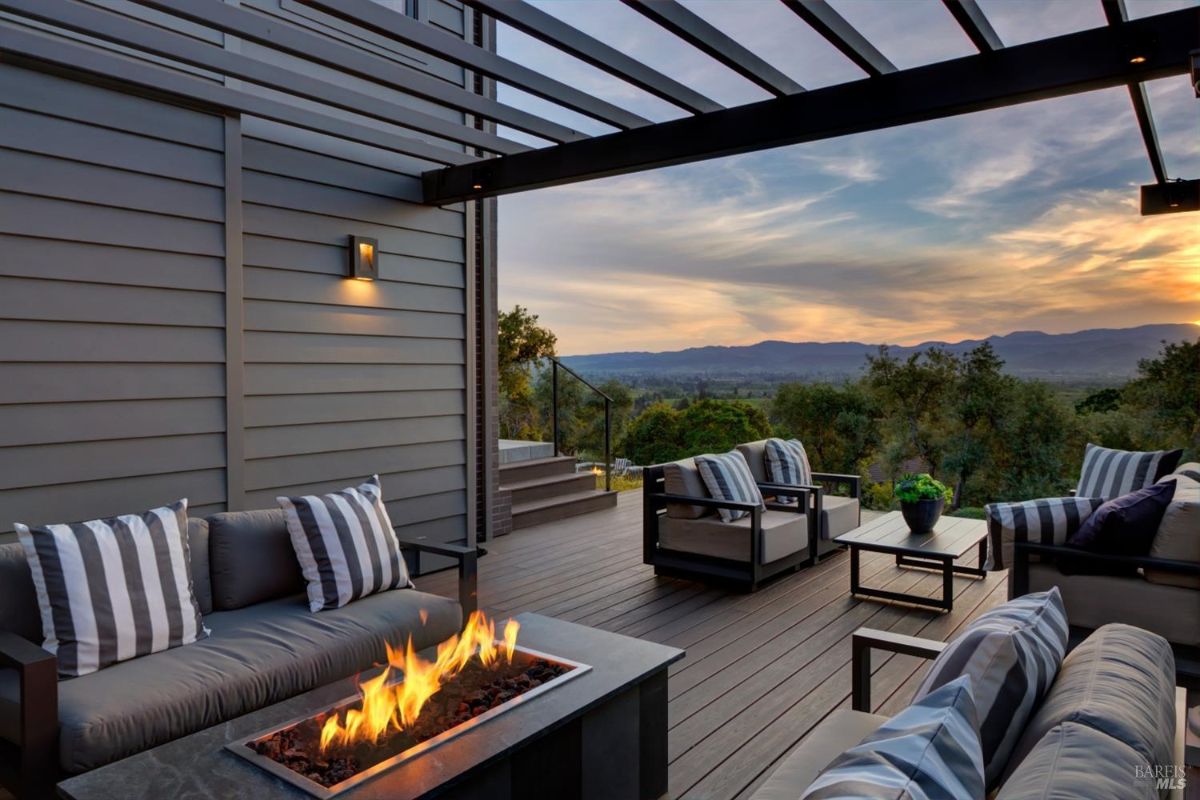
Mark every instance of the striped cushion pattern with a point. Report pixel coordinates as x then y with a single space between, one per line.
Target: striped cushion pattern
929 751
1051 520
1111 473
113 589
728 477
787 462
345 544
1011 654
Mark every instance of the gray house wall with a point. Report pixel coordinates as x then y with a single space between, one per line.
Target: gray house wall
175 320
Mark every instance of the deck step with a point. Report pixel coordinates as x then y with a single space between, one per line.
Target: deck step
550 486
521 471
569 505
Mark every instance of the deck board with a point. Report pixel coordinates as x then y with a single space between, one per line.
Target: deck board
761 669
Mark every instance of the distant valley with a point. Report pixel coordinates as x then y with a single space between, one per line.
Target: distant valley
1101 355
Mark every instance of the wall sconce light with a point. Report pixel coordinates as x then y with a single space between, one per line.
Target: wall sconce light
364 259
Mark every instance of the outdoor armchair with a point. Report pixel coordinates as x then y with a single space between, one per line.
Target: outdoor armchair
684 536
829 515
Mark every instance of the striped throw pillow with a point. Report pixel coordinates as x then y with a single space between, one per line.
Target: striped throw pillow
345 544
787 463
1111 473
1052 520
929 750
113 589
1011 654
728 477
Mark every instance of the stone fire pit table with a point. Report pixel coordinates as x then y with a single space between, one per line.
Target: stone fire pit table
601 735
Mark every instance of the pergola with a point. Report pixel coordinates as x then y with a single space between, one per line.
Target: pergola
1126 52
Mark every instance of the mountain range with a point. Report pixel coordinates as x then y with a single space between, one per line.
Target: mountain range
1098 354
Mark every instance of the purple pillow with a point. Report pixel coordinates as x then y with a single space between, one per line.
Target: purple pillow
1124 526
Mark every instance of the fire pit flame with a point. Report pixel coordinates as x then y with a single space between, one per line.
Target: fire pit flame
386 707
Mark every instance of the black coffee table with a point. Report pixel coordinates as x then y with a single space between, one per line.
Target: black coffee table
600 735
951 539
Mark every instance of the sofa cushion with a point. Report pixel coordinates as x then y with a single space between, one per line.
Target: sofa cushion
930 749
19 611
1050 520
1011 654
727 477
1119 681
682 478
1123 526
256 656
838 732
251 558
1075 762
1189 470
784 533
1178 536
198 551
114 589
1095 600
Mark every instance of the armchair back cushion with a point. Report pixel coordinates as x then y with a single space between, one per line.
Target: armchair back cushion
682 478
755 454
930 749
1119 681
1178 536
1011 654
1048 521
251 558
1111 473
19 612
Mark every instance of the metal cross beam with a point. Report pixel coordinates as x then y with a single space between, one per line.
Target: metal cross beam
1063 65
556 33
974 22
841 34
697 32
1115 13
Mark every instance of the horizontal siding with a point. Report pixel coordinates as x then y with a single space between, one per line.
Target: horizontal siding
303 409
399 485
113 326
335 349
350 465
330 259
266 315
265 284
335 436
283 223
349 378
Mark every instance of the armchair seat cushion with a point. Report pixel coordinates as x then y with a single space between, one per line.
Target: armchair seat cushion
838 515
784 533
1095 600
1121 682
256 656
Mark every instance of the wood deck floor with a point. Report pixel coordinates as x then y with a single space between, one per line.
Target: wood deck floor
761 669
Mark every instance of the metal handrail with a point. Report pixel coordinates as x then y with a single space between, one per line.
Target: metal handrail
555 365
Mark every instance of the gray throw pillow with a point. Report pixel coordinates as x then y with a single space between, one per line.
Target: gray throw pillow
1012 654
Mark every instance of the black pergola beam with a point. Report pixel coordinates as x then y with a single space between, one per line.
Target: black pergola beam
551 30
821 17
1076 62
696 31
1116 14
975 25
386 22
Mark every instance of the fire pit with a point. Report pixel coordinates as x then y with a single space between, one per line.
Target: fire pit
413 705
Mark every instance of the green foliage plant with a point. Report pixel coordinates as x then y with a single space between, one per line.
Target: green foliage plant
914 488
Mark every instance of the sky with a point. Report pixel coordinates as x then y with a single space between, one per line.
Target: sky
1013 219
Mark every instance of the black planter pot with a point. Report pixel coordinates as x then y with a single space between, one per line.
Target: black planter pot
922 515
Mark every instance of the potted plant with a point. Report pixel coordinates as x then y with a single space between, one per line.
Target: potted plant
921 501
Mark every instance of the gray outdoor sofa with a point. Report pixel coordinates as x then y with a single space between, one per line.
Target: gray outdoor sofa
265 646
1112 713
684 536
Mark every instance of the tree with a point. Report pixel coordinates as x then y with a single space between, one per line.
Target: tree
653 437
1100 402
720 425
913 396
837 424
1043 444
522 342
1166 398
977 410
